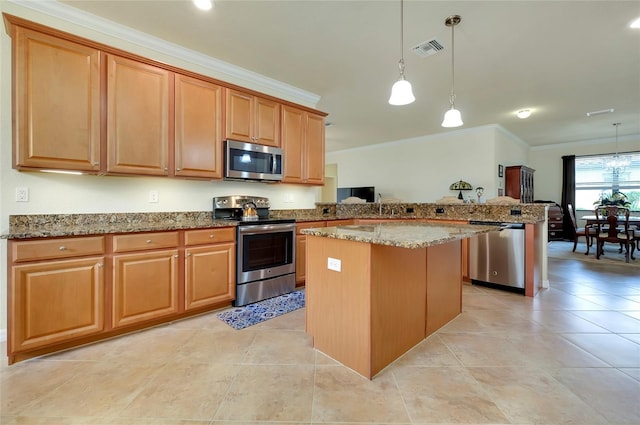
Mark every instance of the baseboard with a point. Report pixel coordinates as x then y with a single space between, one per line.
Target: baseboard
3 335
545 284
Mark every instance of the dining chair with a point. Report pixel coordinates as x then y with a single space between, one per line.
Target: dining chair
588 232
619 231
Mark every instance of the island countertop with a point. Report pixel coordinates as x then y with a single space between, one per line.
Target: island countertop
402 234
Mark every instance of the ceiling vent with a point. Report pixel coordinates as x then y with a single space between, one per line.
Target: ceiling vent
428 48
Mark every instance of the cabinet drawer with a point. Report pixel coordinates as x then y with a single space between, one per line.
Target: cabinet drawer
555 225
144 241
207 236
56 248
310 225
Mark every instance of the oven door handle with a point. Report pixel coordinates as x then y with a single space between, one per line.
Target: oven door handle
265 228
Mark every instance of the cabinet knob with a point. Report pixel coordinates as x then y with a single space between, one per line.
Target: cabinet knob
148 240
188 254
100 265
175 256
166 168
63 248
178 169
211 236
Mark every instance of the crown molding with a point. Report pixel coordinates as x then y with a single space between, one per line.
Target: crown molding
220 68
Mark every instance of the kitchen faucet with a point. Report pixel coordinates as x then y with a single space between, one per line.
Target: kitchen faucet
379 204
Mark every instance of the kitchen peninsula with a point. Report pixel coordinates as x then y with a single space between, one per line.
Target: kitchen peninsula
375 291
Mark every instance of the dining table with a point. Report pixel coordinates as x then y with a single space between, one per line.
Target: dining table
592 219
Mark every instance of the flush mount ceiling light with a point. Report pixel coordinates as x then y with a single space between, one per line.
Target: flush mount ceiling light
203 4
635 24
523 113
401 93
452 118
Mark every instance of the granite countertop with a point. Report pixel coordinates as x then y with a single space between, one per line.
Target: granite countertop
402 234
60 225
46 226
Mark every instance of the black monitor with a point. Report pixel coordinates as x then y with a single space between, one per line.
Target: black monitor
367 193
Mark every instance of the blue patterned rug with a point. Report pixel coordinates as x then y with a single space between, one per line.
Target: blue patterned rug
248 315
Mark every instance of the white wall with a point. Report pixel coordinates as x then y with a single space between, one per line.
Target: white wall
422 168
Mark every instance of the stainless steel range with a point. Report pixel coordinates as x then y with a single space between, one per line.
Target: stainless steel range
265 248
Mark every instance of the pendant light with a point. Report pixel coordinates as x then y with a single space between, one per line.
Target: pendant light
401 93
452 117
617 163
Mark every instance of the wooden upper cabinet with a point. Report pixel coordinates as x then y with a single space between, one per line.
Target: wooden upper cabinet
137 117
267 128
293 144
315 149
198 128
57 103
303 145
252 119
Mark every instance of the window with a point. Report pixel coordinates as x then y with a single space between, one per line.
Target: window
603 174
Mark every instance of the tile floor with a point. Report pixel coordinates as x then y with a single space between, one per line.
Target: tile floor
571 355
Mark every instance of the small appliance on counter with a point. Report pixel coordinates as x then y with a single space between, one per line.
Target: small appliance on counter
265 248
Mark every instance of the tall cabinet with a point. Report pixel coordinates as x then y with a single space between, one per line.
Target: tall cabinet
519 183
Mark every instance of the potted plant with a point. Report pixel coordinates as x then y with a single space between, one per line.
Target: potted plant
615 199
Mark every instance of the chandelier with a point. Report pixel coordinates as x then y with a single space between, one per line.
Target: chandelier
617 163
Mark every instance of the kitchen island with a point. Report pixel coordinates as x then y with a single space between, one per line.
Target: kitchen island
375 291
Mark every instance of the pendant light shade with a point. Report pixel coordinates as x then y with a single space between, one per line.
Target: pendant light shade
452 118
401 92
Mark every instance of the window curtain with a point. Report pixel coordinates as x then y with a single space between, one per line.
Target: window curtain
568 193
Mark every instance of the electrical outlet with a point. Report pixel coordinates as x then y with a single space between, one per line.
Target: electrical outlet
153 196
22 194
334 264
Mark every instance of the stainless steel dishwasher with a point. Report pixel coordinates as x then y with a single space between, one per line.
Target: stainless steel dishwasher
496 258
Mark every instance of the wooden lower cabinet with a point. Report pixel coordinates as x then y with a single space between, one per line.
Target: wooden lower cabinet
301 248
56 301
145 286
69 291
209 275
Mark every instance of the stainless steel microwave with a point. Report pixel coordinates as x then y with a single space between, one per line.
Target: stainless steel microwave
249 161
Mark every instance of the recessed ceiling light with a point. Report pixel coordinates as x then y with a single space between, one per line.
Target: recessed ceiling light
203 4
635 24
524 113
600 112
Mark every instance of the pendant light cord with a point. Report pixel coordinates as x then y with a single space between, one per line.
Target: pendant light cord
453 78
401 63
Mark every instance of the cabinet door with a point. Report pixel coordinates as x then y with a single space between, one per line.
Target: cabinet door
314 155
301 258
137 117
293 144
57 103
267 124
210 275
145 286
240 113
198 128
56 301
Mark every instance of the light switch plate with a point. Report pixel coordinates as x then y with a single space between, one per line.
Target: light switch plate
334 264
